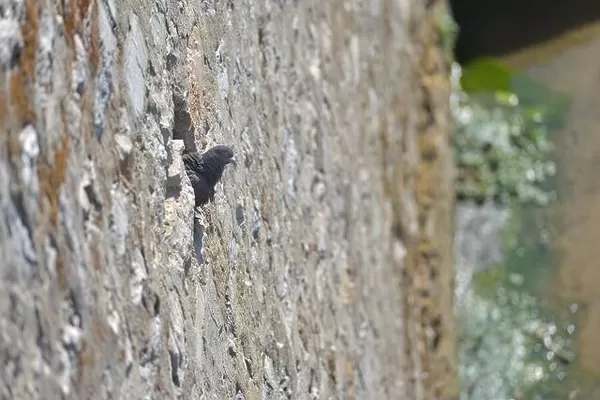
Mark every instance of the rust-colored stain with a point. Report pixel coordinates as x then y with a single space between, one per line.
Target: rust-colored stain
20 101
30 32
14 147
74 14
69 18
95 38
16 105
51 176
82 6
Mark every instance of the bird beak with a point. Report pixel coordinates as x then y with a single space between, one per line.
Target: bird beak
233 161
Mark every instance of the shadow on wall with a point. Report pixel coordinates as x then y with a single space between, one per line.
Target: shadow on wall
498 27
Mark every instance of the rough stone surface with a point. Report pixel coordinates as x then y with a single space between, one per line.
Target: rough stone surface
323 268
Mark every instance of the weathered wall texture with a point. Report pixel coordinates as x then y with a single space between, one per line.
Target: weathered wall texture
322 270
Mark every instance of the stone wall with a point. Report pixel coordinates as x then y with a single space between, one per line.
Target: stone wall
323 268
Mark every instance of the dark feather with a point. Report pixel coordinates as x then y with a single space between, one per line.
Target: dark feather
206 170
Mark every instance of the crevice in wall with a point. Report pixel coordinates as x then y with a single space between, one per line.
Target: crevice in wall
183 127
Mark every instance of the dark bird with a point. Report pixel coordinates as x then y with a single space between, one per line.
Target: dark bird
206 170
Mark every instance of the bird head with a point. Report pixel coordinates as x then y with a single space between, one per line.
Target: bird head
221 155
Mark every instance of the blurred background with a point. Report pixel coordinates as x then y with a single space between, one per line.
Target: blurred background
526 105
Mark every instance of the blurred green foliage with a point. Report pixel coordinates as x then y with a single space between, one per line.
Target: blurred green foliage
503 151
515 343
486 75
